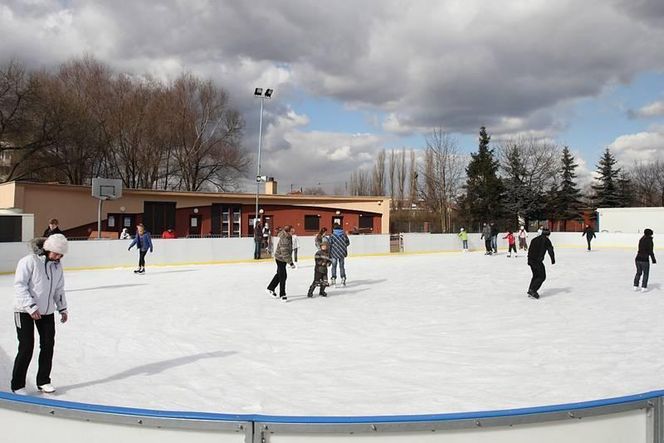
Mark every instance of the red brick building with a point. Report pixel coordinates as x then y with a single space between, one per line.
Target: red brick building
192 213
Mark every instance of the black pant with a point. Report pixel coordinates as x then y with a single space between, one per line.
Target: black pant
26 342
512 248
642 267
257 248
141 258
295 254
487 244
320 280
589 239
539 275
279 278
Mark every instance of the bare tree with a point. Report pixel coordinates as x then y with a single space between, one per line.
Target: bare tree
314 190
529 167
413 179
378 175
206 136
360 182
392 176
648 182
401 177
442 175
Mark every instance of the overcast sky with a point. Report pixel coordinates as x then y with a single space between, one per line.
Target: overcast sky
352 77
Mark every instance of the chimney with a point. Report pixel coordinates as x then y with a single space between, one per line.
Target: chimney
271 186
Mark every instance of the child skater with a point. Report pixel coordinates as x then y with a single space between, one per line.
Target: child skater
143 243
511 242
322 261
642 264
523 238
463 235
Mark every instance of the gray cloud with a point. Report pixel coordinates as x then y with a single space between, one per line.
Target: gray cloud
513 66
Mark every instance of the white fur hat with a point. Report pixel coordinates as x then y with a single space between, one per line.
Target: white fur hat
56 243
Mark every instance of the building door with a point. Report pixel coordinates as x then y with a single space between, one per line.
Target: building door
158 216
195 225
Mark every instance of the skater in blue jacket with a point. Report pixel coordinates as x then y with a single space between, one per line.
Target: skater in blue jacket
143 243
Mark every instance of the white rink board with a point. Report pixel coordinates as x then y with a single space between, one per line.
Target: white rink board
20 426
113 253
625 427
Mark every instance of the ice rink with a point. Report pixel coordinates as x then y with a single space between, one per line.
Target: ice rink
410 334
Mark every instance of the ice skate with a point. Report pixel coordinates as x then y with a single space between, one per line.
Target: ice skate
533 294
333 282
644 289
47 388
343 281
283 298
21 391
271 293
137 271
636 288
141 271
323 294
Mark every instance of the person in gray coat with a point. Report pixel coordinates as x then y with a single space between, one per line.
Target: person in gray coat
283 255
40 291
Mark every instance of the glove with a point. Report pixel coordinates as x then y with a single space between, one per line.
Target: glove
654 262
129 248
553 262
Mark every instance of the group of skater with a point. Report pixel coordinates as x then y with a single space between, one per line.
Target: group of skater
331 251
40 285
490 236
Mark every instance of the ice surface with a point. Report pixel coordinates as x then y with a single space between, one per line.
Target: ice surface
410 334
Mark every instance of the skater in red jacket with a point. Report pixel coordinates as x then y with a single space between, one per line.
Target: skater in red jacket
512 243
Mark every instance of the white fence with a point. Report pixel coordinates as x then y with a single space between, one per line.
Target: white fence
633 419
450 242
113 253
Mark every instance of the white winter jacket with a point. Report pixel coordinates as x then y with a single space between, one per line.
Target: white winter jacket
40 284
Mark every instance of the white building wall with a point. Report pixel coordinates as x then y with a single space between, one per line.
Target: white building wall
631 220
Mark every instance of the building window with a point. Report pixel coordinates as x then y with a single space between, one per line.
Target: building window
111 221
366 222
311 223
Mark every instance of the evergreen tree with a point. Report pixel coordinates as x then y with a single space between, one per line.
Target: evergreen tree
522 200
566 204
626 196
483 200
606 187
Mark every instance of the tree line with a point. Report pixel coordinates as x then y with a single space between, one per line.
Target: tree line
517 181
82 120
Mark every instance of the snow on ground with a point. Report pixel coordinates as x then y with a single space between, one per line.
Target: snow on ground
410 334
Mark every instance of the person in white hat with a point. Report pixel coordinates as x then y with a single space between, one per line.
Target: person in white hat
40 290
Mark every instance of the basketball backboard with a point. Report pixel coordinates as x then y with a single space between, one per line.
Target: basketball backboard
106 188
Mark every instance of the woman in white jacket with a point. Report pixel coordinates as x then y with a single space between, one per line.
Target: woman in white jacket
40 290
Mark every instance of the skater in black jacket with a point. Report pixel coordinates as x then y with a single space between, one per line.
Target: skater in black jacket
322 261
642 264
589 234
538 249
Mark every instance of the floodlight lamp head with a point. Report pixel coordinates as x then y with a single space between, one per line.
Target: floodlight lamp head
268 93
258 92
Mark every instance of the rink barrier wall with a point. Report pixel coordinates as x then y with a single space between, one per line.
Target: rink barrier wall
634 418
416 243
98 254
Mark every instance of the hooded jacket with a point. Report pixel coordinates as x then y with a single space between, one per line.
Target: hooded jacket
646 249
39 283
339 243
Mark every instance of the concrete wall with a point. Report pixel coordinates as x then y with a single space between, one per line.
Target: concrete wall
631 220
112 253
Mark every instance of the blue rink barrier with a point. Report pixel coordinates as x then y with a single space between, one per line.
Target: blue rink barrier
633 418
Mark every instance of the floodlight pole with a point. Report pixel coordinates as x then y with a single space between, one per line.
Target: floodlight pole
258 162
262 94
